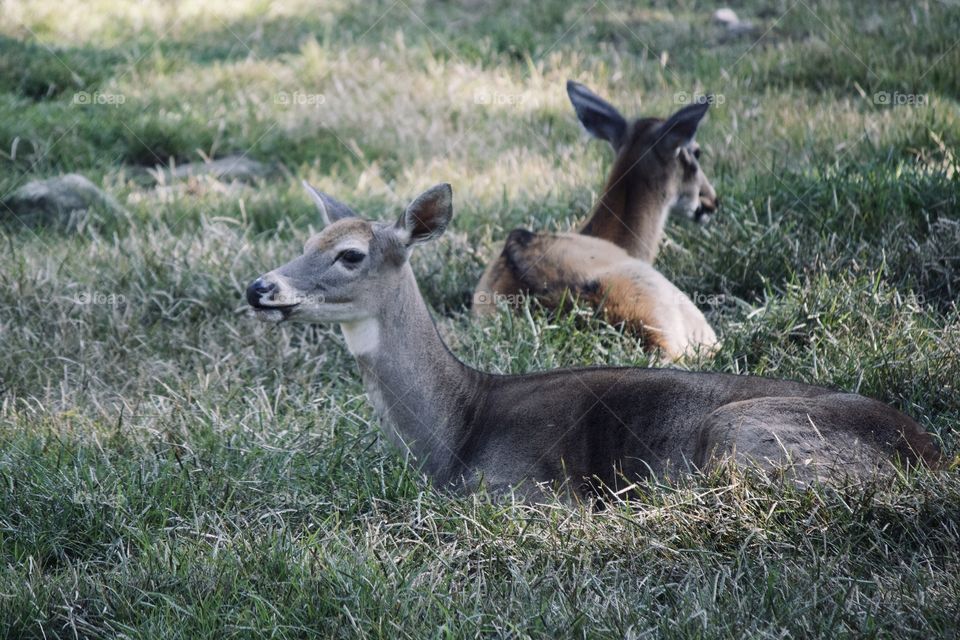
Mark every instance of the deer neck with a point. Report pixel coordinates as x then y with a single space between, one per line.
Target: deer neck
421 392
631 212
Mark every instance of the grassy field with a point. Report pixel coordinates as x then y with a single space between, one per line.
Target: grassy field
170 468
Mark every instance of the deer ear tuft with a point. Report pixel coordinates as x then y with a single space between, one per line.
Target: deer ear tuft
427 216
329 207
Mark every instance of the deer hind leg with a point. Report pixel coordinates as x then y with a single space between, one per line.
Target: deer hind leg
635 294
556 268
529 263
498 284
815 438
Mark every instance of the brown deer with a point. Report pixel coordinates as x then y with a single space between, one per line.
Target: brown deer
656 173
585 430
608 263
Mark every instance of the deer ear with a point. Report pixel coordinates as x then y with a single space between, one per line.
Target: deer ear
329 207
681 127
598 117
427 216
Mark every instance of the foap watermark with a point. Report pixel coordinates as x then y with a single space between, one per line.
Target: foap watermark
709 299
100 298
684 97
912 299
99 98
490 297
292 299
898 99
498 99
299 99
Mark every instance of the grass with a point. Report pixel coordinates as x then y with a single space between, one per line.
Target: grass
169 468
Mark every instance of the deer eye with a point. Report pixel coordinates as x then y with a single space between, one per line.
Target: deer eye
696 153
350 257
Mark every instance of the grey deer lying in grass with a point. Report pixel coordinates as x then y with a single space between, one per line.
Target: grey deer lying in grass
608 263
580 428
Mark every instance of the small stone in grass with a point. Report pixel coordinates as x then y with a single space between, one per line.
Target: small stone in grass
227 169
56 201
726 17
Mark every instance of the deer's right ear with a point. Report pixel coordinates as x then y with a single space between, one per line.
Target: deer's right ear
598 117
681 127
427 216
329 207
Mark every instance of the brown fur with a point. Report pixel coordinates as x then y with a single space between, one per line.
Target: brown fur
604 265
628 212
552 268
338 231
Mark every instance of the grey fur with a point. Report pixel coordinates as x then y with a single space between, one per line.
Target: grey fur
580 428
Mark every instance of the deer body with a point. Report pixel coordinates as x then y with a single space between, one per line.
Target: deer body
580 428
605 276
656 172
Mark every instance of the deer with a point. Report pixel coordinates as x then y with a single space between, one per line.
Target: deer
608 262
578 432
656 173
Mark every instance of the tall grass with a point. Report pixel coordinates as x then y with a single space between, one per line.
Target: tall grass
169 468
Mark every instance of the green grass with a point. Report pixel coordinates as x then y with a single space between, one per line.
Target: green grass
169 468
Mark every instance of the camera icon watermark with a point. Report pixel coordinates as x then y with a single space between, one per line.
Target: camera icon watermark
97 98
299 99
684 98
897 99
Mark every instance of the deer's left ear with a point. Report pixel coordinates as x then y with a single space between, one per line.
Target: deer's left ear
681 127
427 216
600 118
329 207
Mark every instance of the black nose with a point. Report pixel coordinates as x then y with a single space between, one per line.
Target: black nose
707 208
257 290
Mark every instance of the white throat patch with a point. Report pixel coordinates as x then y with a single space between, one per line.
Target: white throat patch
362 336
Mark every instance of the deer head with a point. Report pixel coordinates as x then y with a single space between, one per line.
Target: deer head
654 152
347 271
